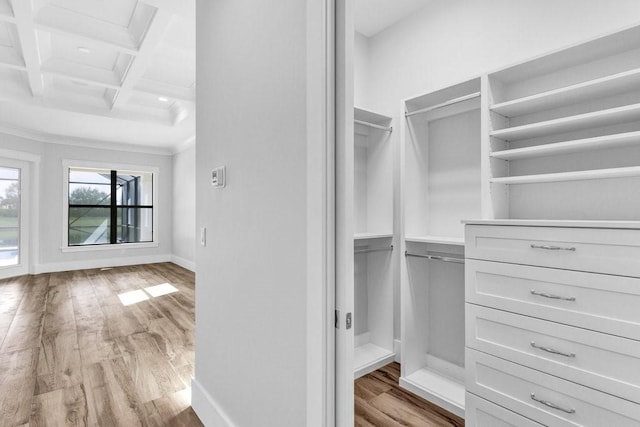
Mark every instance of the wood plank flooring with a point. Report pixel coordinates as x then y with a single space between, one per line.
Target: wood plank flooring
380 402
72 354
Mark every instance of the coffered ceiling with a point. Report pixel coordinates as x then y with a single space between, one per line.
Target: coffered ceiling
98 71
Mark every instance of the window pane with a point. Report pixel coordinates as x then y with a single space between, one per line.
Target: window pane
89 226
89 187
135 225
9 216
135 188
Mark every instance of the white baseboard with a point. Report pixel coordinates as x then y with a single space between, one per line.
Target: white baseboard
100 263
207 409
397 348
184 263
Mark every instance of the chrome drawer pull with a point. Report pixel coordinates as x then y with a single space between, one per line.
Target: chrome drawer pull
552 248
551 350
552 405
552 296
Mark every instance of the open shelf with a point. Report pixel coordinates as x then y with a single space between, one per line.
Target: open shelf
442 240
372 235
570 176
605 86
568 147
369 357
594 119
437 388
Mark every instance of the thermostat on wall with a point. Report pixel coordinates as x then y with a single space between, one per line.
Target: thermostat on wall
217 177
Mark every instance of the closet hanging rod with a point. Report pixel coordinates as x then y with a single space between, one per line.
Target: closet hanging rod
373 125
364 251
444 104
436 257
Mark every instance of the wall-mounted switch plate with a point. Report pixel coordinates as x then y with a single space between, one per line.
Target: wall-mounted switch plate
203 236
218 177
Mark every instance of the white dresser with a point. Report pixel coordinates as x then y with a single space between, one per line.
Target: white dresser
552 323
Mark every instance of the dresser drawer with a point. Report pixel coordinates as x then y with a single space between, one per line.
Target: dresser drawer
600 302
482 413
611 251
601 361
544 398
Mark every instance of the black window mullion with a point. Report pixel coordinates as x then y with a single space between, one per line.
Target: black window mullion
114 208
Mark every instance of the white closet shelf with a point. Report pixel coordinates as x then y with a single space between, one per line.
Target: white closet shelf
369 357
604 86
570 176
443 391
372 235
442 240
568 147
594 119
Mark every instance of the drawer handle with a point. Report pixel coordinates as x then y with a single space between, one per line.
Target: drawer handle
552 296
551 350
552 248
552 405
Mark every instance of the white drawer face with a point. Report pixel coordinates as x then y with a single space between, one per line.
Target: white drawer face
600 361
544 398
600 302
482 413
610 251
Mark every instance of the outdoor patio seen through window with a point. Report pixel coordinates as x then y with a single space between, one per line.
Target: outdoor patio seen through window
109 207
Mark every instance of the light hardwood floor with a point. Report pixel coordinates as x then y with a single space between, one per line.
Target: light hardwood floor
380 402
72 354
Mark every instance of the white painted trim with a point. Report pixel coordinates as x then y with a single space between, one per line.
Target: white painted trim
20 155
207 409
121 167
184 263
87 143
101 263
109 247
184 145
397 349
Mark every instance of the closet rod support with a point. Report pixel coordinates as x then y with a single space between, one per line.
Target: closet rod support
444 104
364 251
436 257
373 125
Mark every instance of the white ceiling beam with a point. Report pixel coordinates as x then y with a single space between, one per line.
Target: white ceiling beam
165 89
23 11
139 64
6 11
184 8
81 73
67 22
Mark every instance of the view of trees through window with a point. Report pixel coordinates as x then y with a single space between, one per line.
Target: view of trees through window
9 215
110 207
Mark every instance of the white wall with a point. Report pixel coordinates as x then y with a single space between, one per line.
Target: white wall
49 256
184 208
255 100
361 71
453 40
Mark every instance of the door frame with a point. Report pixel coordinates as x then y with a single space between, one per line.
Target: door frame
29 179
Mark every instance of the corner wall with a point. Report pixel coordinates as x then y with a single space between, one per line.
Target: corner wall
184 208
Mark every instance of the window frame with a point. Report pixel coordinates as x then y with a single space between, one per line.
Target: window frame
67 165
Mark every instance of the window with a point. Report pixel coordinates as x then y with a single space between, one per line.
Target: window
9 216
109 207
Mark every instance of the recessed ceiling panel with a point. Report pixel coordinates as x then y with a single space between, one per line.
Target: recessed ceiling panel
116 12
76 88
5 8
6 34
78 51
173 66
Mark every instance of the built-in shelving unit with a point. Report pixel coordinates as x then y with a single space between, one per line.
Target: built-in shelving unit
441 186
373 242
563 133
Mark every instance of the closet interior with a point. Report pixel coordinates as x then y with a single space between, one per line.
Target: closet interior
553 143
440 182
373 242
